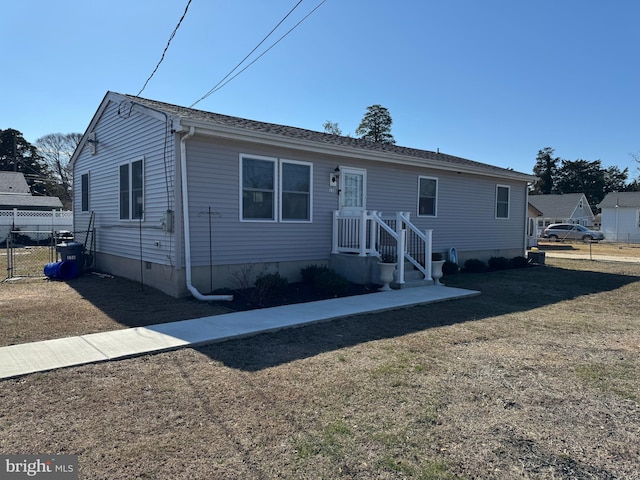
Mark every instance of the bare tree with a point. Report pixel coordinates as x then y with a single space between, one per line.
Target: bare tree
332 128
56 149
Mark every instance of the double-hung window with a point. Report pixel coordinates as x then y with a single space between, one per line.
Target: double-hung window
295 194
132 190
275 190
258 188
502 201
427 196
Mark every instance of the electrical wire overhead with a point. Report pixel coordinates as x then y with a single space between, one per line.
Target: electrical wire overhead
224 80
173 34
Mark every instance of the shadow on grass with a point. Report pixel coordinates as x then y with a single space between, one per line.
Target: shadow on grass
134 305
502 293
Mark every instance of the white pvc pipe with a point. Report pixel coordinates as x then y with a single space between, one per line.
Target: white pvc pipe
185 219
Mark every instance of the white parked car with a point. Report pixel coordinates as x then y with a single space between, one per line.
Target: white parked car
569 231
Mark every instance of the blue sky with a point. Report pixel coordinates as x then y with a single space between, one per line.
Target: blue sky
493 81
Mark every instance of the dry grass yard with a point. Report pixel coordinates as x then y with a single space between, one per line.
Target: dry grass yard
538 377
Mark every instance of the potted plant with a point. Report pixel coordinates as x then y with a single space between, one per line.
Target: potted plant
387 265
436 267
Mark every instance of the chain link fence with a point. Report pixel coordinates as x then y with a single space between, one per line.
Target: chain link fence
27 252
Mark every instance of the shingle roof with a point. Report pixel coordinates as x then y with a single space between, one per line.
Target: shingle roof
13 182
19 201
621 199
556 206
319 137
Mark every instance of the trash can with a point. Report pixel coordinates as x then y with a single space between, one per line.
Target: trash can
536 257
71 252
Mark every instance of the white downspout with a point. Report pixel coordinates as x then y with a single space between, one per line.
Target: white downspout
185 220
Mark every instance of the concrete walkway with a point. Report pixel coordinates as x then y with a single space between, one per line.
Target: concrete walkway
16 360
586 256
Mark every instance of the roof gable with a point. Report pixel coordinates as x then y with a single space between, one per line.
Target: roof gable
621 199
13 183
559 206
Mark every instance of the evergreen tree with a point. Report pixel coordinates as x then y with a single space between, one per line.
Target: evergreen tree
546 169
376 125
18 155
583 176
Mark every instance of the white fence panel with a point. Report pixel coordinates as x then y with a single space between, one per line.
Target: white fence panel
34 220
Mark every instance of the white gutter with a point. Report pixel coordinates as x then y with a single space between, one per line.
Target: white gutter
273 139
185 219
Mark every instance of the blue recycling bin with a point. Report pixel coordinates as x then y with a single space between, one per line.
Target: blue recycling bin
71 252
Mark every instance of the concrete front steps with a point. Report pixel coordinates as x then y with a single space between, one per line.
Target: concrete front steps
412 278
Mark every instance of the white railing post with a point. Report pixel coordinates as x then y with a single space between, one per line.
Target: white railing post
399 229
402 238
428 251
334 239
362 233
373 233
15 216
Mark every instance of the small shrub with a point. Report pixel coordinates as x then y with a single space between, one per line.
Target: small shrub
519 262
436 257
498 263
271 285
450 268
331 283
474 265
243 277
310 274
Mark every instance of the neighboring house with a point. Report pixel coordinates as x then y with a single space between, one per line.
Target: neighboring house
532 231
563 208
621 216
188 201
15 193
19 210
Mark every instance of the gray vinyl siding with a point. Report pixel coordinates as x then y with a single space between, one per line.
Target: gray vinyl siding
214 181
465 210
124 138
465 203
465 207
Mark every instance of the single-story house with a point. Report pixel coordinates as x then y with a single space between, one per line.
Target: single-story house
187 200
621 216
15 193
22 211
563 208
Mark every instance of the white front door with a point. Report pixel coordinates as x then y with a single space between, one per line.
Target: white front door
353 190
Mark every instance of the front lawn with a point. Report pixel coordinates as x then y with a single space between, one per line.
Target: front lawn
538 377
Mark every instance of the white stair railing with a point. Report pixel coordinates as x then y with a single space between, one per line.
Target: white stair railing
369 233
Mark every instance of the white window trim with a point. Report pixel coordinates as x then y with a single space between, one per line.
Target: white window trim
88 174
275 188
435 213
508 187
144 190
281 191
